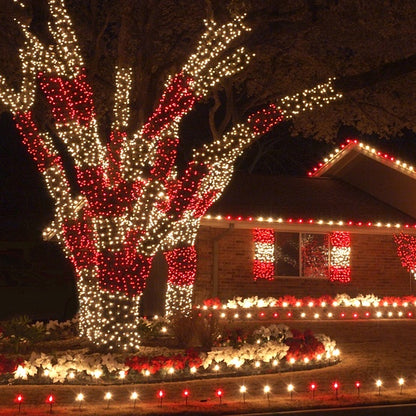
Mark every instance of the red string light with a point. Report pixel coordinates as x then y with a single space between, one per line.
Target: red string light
177 100
50 399
181 266
123 271
406 250
35 144
340 269
69 99
265 119
263 263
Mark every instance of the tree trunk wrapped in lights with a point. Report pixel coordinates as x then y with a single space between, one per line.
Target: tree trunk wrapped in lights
132 202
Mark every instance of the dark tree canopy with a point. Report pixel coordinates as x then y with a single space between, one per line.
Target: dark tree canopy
297 44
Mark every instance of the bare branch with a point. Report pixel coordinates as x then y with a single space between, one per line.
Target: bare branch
212 113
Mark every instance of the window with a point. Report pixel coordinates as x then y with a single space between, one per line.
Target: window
308 255
315 256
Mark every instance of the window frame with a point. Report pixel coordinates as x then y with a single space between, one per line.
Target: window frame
300 262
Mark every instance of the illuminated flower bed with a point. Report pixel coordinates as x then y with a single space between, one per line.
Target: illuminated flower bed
270 347
341 306
267 349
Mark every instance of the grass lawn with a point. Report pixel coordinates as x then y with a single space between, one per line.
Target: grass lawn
370 350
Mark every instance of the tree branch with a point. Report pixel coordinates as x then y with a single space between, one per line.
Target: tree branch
211 116
383 73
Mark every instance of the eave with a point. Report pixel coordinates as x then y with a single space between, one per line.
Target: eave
309 225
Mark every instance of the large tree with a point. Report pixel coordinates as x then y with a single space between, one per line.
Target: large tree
115 158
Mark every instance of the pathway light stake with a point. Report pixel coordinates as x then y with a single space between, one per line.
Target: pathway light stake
219 393
186 393
107 397
243 390
379 383
335 385
19 401
134 396
290 389
313 387
80 399
161 395
267 392
357 386
401 383
50 400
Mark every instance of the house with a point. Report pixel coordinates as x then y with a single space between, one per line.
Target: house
327 233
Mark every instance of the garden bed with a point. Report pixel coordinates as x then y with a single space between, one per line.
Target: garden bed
233 351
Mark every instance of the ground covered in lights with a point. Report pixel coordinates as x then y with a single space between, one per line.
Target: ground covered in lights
371 350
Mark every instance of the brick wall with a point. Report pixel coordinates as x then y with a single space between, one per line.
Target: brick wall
375 268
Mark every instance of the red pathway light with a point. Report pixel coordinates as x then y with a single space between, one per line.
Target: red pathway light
219 393
358 386
312 388
19 400
161 395
50 400
186 394
335 386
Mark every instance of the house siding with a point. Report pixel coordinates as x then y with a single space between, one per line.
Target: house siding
375 268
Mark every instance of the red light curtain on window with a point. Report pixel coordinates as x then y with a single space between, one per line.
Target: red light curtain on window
263 265
340 269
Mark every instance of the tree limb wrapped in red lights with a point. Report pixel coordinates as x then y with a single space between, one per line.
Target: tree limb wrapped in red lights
132 202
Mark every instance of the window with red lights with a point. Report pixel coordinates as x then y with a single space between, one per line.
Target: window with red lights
313 255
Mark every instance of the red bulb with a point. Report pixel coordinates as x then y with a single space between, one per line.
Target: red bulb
19 398
357 384
219 392
312 386
336 385
161 393
50 399
186 393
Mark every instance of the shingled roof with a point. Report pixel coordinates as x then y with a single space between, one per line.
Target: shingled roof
303 198
355 185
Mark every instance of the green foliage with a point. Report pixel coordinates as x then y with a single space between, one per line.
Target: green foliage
149 329
207 330
20 332
182 328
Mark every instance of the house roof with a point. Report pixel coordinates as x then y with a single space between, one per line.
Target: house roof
374 172
355 187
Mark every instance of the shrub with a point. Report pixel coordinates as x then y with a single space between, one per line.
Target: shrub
182 328
207 330
19 331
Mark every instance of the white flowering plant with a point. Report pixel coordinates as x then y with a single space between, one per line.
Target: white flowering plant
342 299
